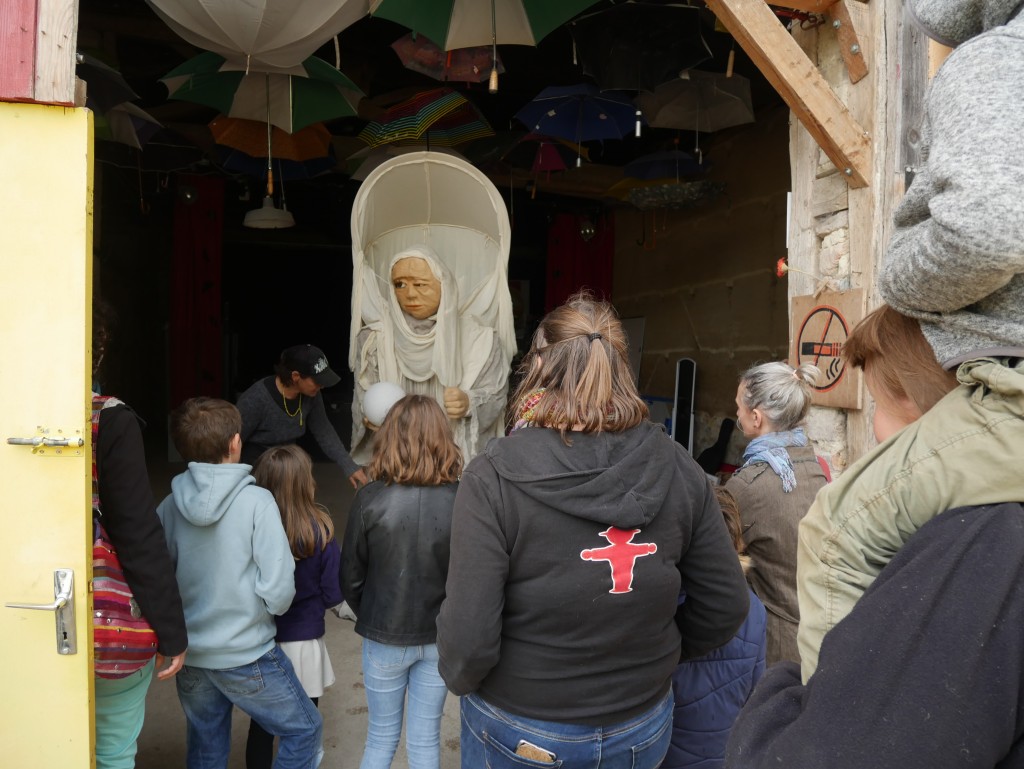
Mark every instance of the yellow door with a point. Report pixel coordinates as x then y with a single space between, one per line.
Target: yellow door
45 301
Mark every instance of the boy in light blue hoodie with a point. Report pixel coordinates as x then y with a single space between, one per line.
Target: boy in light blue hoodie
235 572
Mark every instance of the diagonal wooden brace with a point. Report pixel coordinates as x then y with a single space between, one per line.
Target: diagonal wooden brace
798 81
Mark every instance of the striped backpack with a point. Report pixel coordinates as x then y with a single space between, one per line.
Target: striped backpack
123 641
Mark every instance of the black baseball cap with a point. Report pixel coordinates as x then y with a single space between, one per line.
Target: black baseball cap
310 362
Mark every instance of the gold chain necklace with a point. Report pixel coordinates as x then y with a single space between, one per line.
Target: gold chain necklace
298 410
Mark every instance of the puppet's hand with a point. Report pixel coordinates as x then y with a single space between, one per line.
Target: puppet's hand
456 402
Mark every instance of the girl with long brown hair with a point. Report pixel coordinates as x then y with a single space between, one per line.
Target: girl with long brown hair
571 542
393 575
287 472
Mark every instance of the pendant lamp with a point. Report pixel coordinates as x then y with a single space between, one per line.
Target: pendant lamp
268 216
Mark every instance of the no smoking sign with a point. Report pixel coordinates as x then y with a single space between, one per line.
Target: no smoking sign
821 325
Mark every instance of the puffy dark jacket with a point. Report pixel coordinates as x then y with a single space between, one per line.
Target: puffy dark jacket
394 560
711 690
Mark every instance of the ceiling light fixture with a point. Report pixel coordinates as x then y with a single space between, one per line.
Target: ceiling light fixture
268 216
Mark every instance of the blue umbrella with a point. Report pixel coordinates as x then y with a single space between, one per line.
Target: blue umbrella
580 113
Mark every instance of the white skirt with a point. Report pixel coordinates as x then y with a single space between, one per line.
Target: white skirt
312 664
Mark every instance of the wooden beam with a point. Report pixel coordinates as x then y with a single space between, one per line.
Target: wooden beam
798 81
37 51
808 6
850 46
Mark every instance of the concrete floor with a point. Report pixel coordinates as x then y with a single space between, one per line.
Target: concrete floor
162 743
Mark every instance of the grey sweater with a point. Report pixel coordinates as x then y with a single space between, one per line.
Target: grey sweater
265 422
956 258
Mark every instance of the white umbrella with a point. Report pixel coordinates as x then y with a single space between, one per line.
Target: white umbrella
263 35
700 101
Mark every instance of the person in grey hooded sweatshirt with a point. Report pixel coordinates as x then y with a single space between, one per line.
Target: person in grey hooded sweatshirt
572 539
955 264
235 571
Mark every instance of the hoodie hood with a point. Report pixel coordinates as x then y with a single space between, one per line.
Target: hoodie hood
952 22
205 492
619 479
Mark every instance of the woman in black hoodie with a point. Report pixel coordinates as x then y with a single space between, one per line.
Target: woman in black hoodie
571 541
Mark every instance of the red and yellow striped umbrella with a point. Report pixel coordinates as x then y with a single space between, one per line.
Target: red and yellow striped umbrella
440 116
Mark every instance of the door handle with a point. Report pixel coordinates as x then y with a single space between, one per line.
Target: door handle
64 607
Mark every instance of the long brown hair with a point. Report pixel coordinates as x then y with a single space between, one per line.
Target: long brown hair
579 359
287 472
414 446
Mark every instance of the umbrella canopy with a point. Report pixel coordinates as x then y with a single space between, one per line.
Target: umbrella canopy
702 101
322 93
265 35
674 195
663 165
467 23
579 113
105 86
126 124
637 46
461 65
414 117
250 137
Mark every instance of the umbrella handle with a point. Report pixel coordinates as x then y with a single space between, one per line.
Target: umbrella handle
270 182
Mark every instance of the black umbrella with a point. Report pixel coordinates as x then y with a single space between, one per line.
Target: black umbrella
637 47
105 86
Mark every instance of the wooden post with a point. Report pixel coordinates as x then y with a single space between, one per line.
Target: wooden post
37 51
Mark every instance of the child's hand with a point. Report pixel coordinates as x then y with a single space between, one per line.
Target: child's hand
176 663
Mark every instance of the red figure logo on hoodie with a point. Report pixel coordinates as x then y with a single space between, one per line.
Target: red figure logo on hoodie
621 555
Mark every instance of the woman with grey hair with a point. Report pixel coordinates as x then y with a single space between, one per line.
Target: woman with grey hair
774 488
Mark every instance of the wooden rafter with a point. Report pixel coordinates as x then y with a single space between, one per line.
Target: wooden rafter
800 85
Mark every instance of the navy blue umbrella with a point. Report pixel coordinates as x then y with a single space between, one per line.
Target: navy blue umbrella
580 113
663 165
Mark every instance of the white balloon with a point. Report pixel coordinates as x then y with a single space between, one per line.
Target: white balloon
379 399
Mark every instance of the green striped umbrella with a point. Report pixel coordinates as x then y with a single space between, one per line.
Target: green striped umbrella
467 23
314 92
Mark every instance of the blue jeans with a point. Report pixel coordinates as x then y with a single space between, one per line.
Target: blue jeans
268 691
388 672
491 735
120 711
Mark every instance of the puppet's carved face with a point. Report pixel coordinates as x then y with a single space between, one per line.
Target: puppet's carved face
417 290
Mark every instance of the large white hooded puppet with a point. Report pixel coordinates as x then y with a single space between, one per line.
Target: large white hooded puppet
456 346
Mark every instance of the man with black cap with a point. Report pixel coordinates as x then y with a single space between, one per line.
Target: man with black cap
279 409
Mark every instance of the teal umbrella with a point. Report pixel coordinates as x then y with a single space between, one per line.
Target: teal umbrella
468 23
294 99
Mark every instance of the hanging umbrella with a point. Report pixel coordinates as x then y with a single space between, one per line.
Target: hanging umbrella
105 86
261 35
241 146
463 124
702 101
460 65
580 113
663 165
638 46
412 117
321 93
468 23
125 124
675 195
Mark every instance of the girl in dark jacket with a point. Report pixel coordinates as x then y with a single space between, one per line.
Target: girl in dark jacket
393 576
711 690
287 472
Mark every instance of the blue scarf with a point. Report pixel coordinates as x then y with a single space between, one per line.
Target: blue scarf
771 448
